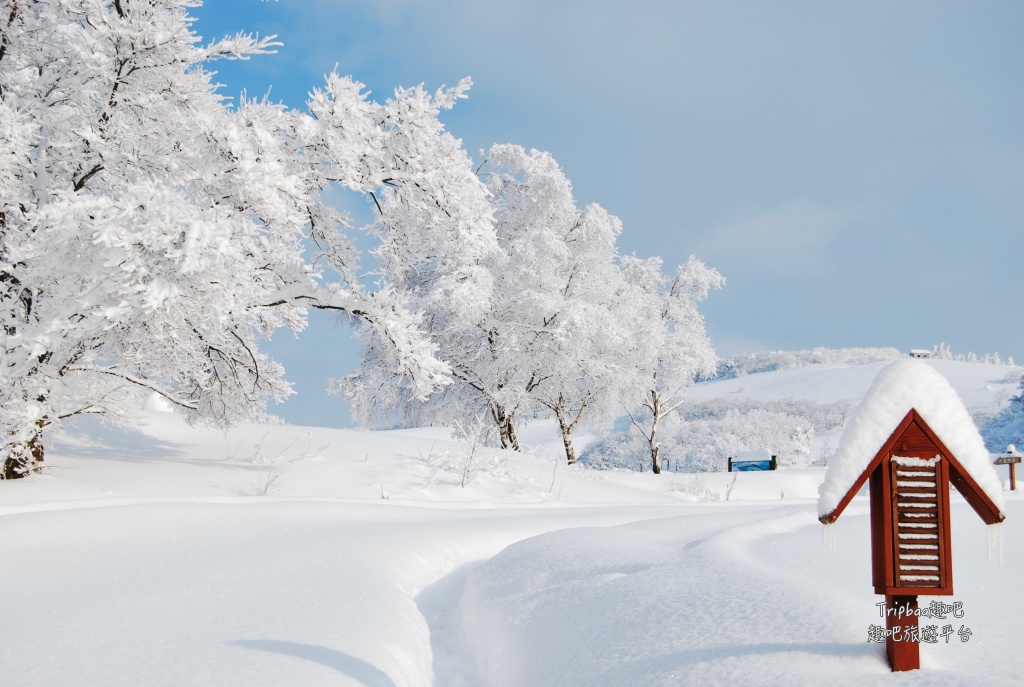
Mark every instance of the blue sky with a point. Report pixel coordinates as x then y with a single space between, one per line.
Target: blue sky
854 169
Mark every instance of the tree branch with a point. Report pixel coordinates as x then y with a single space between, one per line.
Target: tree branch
88 175
145 384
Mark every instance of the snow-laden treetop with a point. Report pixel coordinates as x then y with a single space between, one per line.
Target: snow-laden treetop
900 387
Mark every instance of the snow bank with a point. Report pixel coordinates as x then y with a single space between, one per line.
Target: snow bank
900 387
739 596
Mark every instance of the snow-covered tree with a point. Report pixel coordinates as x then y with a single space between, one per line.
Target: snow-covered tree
150 235
1007 427
432 222
530 324
436 234
583 346
675 345
537 350
129 249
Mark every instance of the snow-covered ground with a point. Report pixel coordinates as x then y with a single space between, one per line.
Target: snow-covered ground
284 555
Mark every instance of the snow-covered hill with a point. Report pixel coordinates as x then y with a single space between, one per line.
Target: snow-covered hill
285 555
982 386
798 414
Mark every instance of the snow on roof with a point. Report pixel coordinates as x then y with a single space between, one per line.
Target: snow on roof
905 385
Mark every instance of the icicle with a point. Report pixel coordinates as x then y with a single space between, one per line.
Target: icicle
995 541
828 536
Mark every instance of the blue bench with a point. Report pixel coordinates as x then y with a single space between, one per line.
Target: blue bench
753 465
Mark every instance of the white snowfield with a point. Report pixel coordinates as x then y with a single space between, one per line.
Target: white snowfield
154 557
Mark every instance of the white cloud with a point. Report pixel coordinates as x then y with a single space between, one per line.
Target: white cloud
727 345
792 239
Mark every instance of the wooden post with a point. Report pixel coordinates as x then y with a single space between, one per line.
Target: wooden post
902 641
909 483
1010 461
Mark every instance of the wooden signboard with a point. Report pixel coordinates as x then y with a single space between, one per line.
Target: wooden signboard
1011 462
909 480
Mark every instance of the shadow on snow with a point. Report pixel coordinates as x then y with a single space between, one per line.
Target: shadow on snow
355 668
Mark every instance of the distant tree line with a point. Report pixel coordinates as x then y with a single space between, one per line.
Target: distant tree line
768 361
702 435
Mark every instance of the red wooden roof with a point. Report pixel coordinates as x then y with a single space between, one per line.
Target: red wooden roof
960 478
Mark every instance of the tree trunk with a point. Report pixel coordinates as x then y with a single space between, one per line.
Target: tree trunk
22 458
506 429
655 448
570 453
513 438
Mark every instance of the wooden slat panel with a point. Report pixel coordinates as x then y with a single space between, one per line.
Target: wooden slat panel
923 518
911 508
915 511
